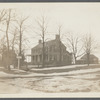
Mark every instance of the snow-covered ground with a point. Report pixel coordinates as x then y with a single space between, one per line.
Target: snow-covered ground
81 80
64 67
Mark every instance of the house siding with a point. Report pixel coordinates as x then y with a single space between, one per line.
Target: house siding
52 54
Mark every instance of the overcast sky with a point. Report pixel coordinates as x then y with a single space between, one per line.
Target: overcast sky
79 18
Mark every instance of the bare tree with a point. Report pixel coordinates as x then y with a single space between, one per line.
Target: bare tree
14 39
2 42
73 43
89 45
9 17
3 49
2 15
60 44
21 28
42 27
2 19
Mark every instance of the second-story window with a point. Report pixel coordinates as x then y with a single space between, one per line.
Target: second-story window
46 49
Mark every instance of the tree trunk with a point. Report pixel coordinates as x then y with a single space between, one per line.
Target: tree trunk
75 59
43 63
88 59
8 60
20 47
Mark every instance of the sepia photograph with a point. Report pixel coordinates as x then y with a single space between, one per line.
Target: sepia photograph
49 48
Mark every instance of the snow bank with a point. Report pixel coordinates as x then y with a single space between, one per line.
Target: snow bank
64 67
3 74
75 72
67 73
87 76
17 70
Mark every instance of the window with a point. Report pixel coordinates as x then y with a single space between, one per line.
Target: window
50 49
33 58
46 49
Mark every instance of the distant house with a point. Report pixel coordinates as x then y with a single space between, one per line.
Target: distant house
52 53
93 59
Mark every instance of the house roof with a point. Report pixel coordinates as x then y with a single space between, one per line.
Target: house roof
91 56
48 43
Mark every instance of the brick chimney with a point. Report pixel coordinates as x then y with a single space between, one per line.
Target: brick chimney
57 37
40 41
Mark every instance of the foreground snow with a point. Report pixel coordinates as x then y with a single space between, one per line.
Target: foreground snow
60 84
11 88
82 83
83 80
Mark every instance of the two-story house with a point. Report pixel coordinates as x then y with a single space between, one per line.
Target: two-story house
55 53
